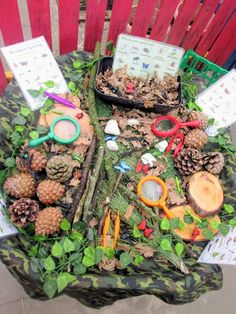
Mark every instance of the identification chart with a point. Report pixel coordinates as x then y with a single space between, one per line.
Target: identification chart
6 228
218 101
144 57
33 64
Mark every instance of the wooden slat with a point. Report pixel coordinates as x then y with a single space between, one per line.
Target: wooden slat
163 20
95 16
120 15
39 13
68 13
3 81
215 27
143 17
196 31
225 43
182 21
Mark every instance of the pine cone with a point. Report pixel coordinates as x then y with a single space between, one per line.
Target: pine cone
23 211
196 115
48 221
189 161
59 168
50 191
31 159
20 185
213 162
196 138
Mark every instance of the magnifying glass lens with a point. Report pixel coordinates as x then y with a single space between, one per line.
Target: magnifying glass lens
152 191
165 125
65 129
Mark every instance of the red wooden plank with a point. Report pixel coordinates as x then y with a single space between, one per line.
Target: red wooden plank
182 21
143 17
68 13
95 16
163 20
194 34
215 27
39 13
119 18
10 23
3 81
225 43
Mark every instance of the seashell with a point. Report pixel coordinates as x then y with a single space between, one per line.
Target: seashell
112 128
161 146
148 159
132 122
112 145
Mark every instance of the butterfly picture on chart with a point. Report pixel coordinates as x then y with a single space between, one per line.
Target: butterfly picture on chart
145 66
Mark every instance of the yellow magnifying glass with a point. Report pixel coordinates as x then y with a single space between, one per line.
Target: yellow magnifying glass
153 192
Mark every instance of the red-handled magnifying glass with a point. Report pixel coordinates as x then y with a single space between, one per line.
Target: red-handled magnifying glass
166 126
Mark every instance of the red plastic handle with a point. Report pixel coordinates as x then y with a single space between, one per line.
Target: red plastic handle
179 145
193 124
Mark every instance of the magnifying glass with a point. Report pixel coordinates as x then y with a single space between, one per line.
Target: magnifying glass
64 130
153 192
166 126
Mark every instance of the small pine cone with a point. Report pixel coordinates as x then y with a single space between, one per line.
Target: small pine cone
31 159
189 161
23 211
59 168
50 191
48 221
196 115
213 162
196 138
20 185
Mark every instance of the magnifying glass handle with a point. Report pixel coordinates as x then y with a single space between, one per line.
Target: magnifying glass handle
39 140
168 213
193 124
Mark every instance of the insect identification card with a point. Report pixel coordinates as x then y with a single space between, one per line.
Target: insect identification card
221 250
6 228
144 57
218 100
33 64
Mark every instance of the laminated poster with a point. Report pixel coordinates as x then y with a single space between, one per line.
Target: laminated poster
6 228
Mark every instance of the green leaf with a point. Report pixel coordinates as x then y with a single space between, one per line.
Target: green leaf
98 254
77 64
125 259
175 222
188 218
165 224
89 251
33 251
136 232
63 280
71 85
68 245
20 120
24 111
34 264
9 162
165 245
109 252
50 287
65 225
80 269
202 224
57 250
232 222
34 134
229 208
49 264
208 234
224 229
76 236
211 121
88 261
19 128
179 248
49 84
33 92
41 129
215 225
138 260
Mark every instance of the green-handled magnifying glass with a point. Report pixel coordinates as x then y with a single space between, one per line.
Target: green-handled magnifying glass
64 130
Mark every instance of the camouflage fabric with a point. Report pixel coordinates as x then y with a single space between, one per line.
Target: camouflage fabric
97 289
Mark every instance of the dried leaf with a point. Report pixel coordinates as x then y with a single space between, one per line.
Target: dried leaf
74 182
93 222
107 264
146 251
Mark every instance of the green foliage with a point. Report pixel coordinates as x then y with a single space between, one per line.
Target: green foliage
136 232
125 260
179 248
165 224
223 141
188 218
65 225
166 245
229 209
208 234
110 47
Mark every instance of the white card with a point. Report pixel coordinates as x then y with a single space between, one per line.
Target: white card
218 101
221 250
32 64
145 57
6 228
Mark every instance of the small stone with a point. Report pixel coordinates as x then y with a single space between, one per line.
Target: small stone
112 128
148 159
112 145
132 122
161 146
211 130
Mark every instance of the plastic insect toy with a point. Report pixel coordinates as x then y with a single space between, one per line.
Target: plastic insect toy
122 167
130 88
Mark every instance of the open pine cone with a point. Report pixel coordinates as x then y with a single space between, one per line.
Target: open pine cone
48 221
196 138
23 211
31 159
20 185
59 168
189 161
213 162
50 191
196 115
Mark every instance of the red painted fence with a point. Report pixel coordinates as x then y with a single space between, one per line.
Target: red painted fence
207 26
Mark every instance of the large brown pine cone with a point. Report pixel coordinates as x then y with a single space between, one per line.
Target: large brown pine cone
48 221
31 159
49 191
59 168
196 138
23 211
213 162
196 115
189 161
20 185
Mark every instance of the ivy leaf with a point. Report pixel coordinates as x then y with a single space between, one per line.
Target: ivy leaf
203 224
63 280
229 208
165 245
9 162
20 120
68 245
80 269
49 84
76 236
41 129
208 234
49 264
176 223
50 287
57 250
24 111
98 255
165 224
33 135
125 259
138 260
188 218
110 252
224 229
33 251
65 225
179 248
136 232
87 261
19 128
215 224
71 85
232 222
77 64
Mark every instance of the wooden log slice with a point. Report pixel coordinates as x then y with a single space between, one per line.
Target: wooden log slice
186 233
205 194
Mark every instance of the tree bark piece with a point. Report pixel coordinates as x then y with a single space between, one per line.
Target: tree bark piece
205 194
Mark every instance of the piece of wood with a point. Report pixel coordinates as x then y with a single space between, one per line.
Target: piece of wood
187 231
143 17
68 13
221 16
95 16
199 25
184 18
205 194
163 19
40 20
